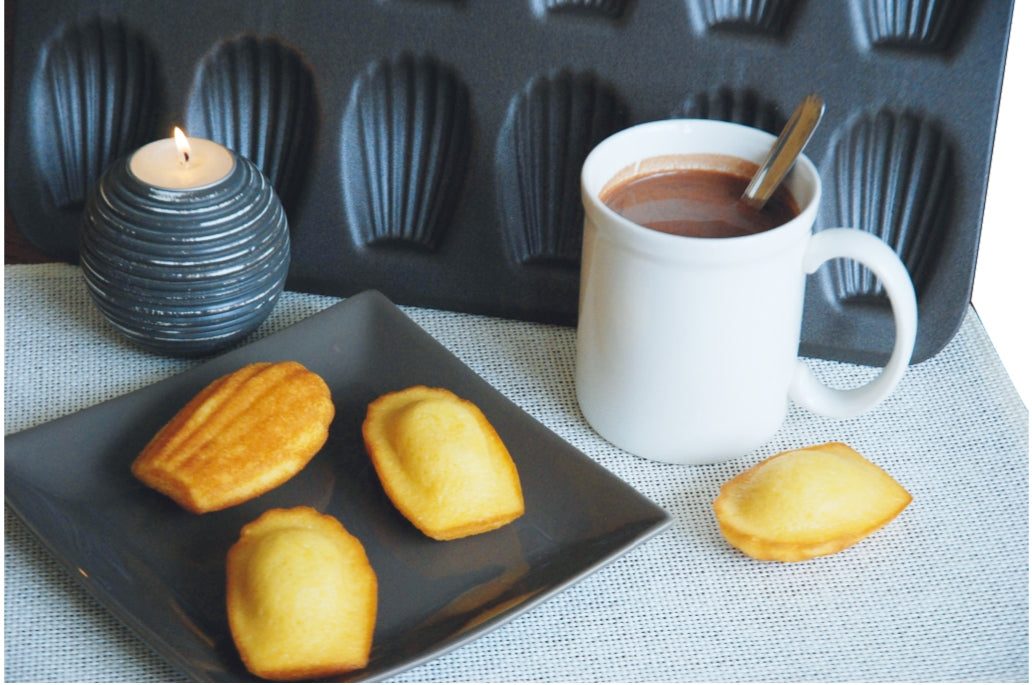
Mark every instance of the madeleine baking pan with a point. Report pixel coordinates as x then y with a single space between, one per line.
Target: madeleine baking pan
431 148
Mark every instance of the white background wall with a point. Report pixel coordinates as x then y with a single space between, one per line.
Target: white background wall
1002 292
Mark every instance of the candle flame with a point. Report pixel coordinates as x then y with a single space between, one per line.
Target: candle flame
182 145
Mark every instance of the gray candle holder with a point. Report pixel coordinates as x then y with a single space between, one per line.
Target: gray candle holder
185 272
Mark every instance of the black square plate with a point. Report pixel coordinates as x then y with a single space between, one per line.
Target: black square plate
160 569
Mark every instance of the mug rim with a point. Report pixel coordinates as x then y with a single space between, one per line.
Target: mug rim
803 176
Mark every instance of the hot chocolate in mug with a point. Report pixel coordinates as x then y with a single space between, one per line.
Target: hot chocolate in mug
687 347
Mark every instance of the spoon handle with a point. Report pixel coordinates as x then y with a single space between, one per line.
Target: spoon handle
787 147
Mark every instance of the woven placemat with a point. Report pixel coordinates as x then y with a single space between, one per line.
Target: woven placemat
940 594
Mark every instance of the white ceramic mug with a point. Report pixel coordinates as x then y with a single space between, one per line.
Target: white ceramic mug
687 347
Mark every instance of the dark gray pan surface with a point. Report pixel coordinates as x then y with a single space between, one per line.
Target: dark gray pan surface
431 148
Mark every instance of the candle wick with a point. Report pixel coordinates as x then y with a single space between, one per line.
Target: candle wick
186 158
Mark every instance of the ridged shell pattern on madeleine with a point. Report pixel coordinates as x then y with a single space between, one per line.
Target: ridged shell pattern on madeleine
246 433
807 503
442 463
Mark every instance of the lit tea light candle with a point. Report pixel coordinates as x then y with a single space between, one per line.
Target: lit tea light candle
181 163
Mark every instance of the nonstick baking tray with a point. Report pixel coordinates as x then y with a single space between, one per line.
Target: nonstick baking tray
431 148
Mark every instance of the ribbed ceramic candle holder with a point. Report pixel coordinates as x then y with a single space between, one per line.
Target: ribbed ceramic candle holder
185 272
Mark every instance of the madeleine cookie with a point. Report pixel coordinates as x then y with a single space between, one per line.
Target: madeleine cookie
807 503
246 433
300 595
442 463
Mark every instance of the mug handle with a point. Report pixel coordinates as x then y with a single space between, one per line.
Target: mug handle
809 392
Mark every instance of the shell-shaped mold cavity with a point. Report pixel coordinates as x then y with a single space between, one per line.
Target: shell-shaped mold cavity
751 16
917 24
256 96
93 102
551 126
890 174
609 9
737 106
405 148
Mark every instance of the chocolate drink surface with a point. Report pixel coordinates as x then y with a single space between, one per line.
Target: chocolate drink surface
699 203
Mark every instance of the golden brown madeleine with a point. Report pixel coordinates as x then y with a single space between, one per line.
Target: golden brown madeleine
300 595
246 433
442 463
807 503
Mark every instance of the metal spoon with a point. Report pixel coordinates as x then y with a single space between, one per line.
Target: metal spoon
787 147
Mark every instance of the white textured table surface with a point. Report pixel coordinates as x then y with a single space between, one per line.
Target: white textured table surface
940 594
